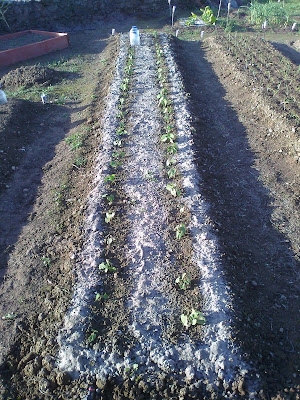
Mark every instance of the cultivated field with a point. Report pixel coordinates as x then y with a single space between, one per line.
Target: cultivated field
150 220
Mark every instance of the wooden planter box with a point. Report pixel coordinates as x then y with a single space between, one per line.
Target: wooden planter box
56 41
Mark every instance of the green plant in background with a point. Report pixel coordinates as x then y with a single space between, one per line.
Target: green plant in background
180 231
208 16
192 319
183 281
192 19
107 267
272 12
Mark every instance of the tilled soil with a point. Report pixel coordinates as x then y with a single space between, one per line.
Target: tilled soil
89 297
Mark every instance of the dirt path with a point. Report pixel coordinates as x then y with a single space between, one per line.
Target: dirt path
180 187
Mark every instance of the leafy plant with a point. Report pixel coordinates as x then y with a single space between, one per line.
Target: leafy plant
183 281
180 231
173 189
208 15
115 164
192 319
192 19
107 267
109 216
170 161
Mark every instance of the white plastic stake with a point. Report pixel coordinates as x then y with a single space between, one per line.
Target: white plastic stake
173 12
177 32
113 31
201 35
294 26
264 25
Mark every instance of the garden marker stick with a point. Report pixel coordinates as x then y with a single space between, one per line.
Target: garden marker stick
220 4
170 8
173 12
201 35
113 31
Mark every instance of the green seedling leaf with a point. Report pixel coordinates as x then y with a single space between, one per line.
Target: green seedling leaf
168 137
180 231
107 267
93 336
185 320
9 317
172 172
172 149
118 142
197 318
170 161
109 216
173 189
183 281
110 178
115 164
101 296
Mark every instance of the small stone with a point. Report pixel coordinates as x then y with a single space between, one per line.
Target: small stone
254 283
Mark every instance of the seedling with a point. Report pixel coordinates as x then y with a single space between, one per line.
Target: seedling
121 131
172 149
173 189
107 267
180 231
168 137
118 142
101 296
46 261
170 161
109 197
183 281
93 336
194 318
109 216
109 240
172 172
9 317
118 154
115 164
110 178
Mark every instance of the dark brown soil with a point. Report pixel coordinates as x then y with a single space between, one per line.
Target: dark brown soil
29 76
249 163
253 191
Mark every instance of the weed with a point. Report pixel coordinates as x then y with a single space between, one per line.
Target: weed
9 317
194 318
183 281
107 267
173 189
109 215
75 141
80 162
180 231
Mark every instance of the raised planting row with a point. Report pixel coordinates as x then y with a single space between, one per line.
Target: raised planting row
270 72
151 313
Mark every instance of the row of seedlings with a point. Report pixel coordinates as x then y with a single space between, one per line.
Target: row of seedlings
115 236
184 281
